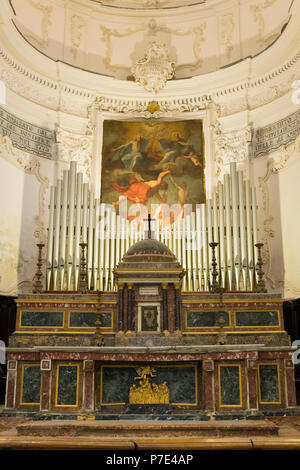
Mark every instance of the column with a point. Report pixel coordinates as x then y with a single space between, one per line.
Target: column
165 313
11 384
177 312
208 385
45 384
88 385
125 308
252 399
121 307
130 310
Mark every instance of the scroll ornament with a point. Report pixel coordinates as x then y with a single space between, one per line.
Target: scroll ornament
155 69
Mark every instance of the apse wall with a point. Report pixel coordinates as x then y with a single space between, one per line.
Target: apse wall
250 112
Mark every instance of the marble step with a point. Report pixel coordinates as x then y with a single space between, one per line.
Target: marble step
147 429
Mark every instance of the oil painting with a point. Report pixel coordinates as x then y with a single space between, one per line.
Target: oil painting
153 162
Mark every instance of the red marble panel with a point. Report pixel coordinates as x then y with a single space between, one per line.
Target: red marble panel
23 356
88 385
252 388
11 388
290 387
271 355
45 390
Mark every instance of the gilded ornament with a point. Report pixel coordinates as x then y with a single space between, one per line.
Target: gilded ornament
146 392
153 106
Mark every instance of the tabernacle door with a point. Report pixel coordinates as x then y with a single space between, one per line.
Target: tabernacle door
149 317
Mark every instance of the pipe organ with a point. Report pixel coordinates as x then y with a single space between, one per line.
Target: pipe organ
76 215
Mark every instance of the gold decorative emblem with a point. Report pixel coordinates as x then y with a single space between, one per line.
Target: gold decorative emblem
153 106
146 392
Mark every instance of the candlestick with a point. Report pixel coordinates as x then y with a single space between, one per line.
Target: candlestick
214 287
260 286
38 286
83 281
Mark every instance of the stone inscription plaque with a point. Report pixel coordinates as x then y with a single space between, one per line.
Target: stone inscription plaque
148 290
28 137
270 138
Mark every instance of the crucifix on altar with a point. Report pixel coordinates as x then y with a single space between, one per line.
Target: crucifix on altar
148 233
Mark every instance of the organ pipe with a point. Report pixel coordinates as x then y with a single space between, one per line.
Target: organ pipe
229 218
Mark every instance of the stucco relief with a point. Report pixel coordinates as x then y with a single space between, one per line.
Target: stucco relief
152 28
77 24
259 18
46 11
268 229
74 147
231 146
149 110
226 33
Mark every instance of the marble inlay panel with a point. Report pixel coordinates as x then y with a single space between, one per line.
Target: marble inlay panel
67 385
257 318
229 385
202 319
87 319
42 318
31 384
181 381
269 383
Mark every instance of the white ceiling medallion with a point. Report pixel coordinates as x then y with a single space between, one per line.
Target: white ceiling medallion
153 71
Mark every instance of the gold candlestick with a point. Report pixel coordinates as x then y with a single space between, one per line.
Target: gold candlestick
38 286
83 282
260 286
214 288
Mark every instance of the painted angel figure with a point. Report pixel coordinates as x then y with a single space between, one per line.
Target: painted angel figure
132 153
173 148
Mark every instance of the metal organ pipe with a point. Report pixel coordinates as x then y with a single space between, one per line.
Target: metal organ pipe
229 218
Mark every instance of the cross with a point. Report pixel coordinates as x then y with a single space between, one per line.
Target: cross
149 220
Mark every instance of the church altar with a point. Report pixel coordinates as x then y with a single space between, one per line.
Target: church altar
150 348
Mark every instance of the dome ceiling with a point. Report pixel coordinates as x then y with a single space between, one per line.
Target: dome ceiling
108 37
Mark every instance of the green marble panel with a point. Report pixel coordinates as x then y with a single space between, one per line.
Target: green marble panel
67 385
31 384
42 318
200 319
87 319
229 386
257 318
181 381
269 387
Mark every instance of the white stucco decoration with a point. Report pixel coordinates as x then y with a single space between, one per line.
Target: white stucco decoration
155 69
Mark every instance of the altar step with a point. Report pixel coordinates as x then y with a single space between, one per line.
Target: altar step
141 429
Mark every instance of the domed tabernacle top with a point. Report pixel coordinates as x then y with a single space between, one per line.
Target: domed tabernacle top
149 247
